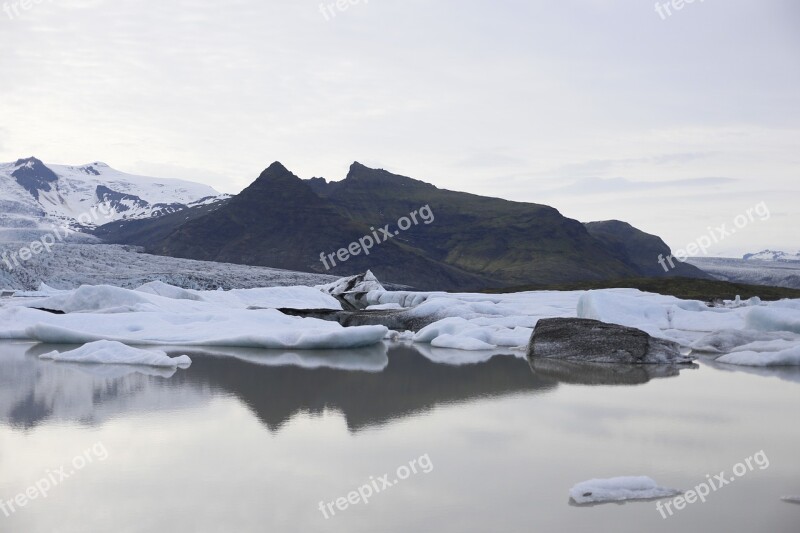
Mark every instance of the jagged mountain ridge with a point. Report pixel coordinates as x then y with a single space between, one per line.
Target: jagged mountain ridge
475 242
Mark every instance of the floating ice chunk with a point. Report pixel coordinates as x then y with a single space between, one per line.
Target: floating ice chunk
624 310
361 283
110 352
108 299
44 288
159 288
157 296
655 314
384 307
791 499
227 327
400 336
787 357
619 489
750 302
298 297
728 340
774 318
457 332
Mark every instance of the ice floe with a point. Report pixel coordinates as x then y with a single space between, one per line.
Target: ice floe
110 352
787 357
244 318
158 314
775 318
619 489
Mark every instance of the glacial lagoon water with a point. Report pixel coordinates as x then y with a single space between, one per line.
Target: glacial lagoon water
254 441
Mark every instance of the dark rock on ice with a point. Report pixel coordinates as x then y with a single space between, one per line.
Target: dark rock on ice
591 341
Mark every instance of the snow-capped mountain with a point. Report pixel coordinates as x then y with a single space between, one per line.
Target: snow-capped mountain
770 255
35 196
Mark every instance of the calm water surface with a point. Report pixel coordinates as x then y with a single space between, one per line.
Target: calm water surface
253 441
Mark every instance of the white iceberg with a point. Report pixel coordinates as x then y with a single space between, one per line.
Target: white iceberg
361 283
729 340
159 288
109 299
471 335
266 328
787 357
160 314
619 489
384 307
774 318
110 352
159 296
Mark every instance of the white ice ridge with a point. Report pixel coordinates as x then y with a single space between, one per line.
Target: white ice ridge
619 489
788 357
110 352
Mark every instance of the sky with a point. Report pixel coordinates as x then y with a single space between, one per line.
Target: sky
677 122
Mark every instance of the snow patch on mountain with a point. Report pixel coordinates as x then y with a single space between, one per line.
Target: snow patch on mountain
35 197
754 272
772 255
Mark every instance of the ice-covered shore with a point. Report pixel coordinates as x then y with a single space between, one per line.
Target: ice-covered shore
157 314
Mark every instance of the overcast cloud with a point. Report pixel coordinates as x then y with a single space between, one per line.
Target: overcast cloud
600 108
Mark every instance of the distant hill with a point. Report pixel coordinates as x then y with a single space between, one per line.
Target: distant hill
471 241
640 250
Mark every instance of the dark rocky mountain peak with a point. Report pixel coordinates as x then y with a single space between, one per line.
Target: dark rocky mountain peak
377 177
34 176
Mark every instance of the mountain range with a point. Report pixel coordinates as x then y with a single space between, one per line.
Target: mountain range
772 255
473 242
469 242
35 196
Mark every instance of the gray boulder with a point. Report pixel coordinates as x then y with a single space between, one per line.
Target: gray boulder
591 341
